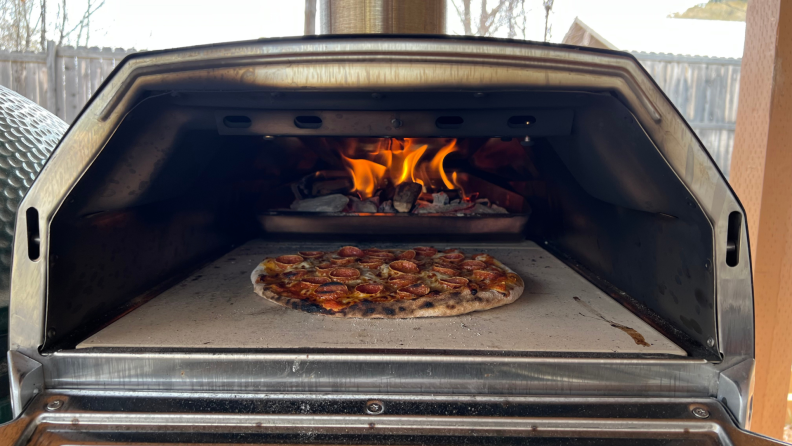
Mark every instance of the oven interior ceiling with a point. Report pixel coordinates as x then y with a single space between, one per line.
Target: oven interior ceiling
165 226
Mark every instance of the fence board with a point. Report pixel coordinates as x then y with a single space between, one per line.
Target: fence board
705 90
61 80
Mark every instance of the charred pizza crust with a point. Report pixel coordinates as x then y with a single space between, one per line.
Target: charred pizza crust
466 299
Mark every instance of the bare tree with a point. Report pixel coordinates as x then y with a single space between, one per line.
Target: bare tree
509 13
548 6
82 26
18 25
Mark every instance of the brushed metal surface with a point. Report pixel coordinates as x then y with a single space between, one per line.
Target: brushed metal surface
28 133
329 223
216 308
394 63
133 418
383 16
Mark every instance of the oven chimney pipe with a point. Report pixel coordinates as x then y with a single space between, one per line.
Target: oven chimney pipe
383 16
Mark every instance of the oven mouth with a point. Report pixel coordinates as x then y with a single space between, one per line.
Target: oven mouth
187 188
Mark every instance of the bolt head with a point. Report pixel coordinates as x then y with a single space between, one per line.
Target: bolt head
54 405
700 412
375 407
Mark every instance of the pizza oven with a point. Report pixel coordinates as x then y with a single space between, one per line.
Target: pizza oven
133 317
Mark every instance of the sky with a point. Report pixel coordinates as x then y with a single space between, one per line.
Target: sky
159 24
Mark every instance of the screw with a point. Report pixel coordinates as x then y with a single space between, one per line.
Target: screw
710 342
54 405
375 407
700 412
396 123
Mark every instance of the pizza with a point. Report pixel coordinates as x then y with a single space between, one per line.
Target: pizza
387 283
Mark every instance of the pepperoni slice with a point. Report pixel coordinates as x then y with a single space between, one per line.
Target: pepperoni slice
414 290
369 288
425 251
294 275
344 274
288 261
486 258
483 274
331 290
444 270
313 282
324 269
343 261
385 255
453 257
350 251
406 255
404 267
472 265
453 282
370 263
311 254
403 280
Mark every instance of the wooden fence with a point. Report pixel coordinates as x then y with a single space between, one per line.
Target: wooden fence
705 90
60 79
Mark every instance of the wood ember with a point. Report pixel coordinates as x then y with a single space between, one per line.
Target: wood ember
406 195
328 203
357 206
326 182
387 207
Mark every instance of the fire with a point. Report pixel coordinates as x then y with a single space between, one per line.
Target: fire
398 161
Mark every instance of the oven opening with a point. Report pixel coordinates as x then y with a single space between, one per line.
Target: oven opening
154 246
418 187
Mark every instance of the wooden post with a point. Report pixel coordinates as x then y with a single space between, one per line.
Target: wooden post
310 18
761 174
52 84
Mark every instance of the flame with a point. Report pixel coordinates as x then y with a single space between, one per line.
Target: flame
397 161
366 175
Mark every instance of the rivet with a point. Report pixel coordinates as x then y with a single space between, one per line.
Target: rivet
710 342
396 123
375 407
700 412
54 405
376 95
478 95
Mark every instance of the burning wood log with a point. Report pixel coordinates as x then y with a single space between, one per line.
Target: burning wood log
328 203
406 195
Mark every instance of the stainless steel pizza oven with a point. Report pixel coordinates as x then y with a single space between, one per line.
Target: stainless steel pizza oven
131 300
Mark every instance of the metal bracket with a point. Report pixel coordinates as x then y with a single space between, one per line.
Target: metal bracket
27 380
735 391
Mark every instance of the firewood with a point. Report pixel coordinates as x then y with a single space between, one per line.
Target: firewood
328 203
405 196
